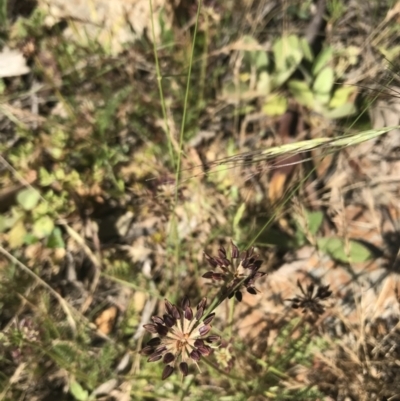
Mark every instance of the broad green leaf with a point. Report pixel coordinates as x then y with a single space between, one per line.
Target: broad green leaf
322 99
261 60
55 152
239 215
43 209
55 239
301 92
306 50
275 105
299 235
314 220
287 53
264 83
279 78
323 58
251 52
324 81
60 174
294 43
10 221
340 96
335 247
16 236
30 239
77 391
28 198
45 177
279 56
43 227
345 110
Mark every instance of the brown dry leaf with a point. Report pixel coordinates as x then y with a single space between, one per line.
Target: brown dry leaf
281 176
106 320
277 186
290 125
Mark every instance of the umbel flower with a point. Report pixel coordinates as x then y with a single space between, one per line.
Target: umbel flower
311 300
182 337
238 272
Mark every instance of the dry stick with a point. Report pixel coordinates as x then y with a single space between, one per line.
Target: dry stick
63 303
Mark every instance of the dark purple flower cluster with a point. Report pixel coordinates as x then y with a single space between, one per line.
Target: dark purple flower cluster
310 299
182 336
238 272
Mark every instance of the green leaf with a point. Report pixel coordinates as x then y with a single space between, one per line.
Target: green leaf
261 60
287 56
28 198
324 81
279 78
323 58
275 105
299 236
30 239
55 152
340 96
43 227
306 50
264 83
301 92
77 391
251 53
345 110
335 247
16 235
59 174
239 215
45 177
322 99
55 239
314 220
287 53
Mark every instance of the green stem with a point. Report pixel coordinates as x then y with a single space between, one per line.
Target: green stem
160 89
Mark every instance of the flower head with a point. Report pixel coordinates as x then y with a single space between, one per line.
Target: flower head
238 272
182 336
310 300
